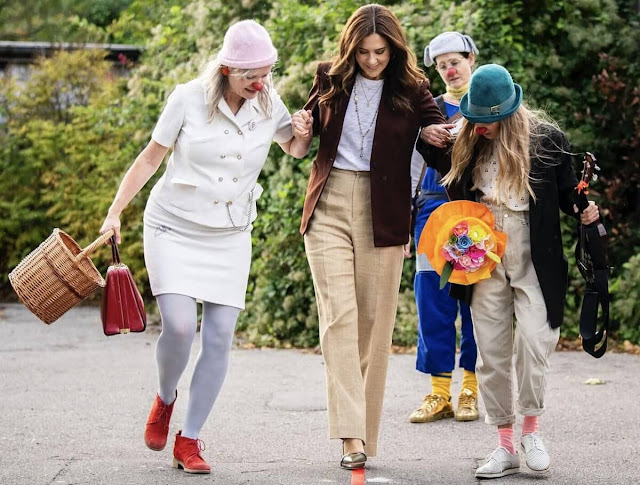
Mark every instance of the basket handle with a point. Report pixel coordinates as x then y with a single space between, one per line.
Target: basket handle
95 245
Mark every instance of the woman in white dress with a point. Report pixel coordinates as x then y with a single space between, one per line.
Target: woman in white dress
197 222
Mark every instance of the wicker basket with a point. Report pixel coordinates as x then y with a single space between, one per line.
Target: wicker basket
57 275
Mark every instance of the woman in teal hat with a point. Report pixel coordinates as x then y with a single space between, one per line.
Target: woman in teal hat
518 163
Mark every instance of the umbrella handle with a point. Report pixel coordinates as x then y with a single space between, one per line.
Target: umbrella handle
95 245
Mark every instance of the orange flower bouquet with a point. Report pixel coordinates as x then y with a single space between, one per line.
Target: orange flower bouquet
461 243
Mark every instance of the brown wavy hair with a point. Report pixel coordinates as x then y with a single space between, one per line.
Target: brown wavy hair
402 74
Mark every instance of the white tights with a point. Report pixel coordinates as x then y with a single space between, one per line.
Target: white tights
179 323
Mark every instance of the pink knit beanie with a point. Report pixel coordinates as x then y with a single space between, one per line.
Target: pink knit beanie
247 45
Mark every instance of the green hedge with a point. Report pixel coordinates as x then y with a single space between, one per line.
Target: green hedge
62 164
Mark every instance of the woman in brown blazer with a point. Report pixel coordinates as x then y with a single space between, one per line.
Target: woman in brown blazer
367 106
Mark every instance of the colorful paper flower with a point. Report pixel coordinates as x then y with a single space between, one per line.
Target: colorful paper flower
460 241
476 252
461 229
477 233
464 242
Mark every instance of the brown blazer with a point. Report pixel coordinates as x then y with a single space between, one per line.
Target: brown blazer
393 142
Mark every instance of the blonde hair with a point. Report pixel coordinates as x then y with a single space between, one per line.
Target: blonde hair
215 85
401 74
520 138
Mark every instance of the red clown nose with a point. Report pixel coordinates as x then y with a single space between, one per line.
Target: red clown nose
481 130
451 71
257 86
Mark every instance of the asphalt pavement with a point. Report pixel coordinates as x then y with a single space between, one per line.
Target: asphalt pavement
73 405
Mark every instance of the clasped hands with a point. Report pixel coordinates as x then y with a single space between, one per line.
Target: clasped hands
302 124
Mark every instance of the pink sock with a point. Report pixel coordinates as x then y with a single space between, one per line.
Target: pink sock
530 424
505 439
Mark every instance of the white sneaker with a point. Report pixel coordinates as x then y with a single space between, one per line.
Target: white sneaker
536 455
499 464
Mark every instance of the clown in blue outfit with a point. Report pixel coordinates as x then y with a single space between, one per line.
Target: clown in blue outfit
454 56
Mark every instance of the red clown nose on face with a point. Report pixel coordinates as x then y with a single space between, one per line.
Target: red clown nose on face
451 71
481 130
257 86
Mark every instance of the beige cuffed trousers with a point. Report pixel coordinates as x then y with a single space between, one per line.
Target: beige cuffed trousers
356 286
513 289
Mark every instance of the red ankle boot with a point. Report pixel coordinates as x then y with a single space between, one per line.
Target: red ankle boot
157 429
186 455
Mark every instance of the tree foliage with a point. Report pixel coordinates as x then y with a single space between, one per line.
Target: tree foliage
58 20
72 131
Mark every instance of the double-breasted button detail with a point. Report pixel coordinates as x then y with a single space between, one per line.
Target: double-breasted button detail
215 160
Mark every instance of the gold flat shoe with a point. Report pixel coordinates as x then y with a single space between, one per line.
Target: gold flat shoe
353 461
434 407
467 406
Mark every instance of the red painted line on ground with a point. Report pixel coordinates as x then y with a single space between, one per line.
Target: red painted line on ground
357 477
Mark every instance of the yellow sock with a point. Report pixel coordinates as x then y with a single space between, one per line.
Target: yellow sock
469 381
441 384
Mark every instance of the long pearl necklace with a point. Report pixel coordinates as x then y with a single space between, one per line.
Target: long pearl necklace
355 99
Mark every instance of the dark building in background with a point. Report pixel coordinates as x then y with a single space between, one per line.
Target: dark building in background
18 56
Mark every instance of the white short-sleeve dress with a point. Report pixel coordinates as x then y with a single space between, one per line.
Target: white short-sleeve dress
197 222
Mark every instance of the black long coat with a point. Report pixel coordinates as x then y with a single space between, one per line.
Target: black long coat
553 182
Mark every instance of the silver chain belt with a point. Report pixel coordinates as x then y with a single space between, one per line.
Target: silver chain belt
249 207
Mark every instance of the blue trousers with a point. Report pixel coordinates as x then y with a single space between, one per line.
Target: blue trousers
437 313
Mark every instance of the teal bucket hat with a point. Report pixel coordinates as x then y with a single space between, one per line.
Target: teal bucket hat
492 95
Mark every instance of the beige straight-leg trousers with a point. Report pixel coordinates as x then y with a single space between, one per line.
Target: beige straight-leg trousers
356 286
513 289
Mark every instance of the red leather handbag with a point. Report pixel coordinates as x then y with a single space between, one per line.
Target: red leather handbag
122 305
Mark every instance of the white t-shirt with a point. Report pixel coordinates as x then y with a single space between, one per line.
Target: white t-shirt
352 145
215 165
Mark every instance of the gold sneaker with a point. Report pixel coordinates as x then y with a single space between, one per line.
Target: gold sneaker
434 407
467 406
